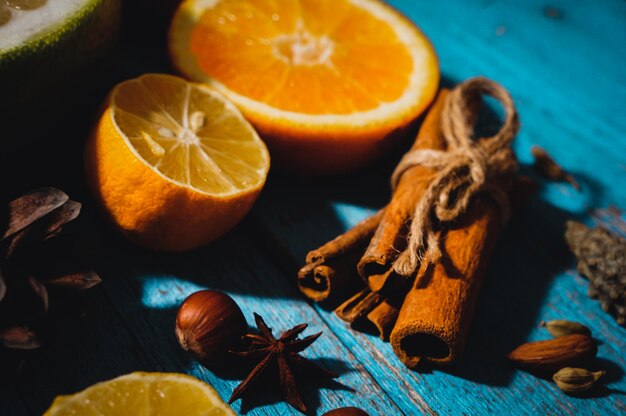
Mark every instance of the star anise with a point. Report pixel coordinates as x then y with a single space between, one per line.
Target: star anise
36 263
282 352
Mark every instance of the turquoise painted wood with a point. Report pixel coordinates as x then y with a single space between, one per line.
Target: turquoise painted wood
563 62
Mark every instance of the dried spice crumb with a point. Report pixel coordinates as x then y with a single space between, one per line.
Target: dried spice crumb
549 169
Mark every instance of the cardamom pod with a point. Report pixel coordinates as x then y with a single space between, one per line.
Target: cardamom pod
559 327
576 380
551 355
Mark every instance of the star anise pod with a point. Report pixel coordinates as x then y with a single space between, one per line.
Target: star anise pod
284 353
36 264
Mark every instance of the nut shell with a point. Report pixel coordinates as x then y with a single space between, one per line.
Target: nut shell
208 325
554 354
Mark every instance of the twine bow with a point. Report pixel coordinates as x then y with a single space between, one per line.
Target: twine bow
465 168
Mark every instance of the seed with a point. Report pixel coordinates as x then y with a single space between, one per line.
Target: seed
165 132
155 147
548 356
560 327
197 120
576 380
25 4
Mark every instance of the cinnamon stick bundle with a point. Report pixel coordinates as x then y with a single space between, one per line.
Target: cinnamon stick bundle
435 316
428 249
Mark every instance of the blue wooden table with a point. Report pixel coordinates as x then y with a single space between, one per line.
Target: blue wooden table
564 63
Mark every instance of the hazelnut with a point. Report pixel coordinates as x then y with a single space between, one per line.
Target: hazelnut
209 324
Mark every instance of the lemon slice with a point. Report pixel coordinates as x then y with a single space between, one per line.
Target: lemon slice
139 394
174 164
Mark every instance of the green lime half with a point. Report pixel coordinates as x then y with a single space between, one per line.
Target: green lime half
45 44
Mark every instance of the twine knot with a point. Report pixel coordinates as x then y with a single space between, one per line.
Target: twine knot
465 168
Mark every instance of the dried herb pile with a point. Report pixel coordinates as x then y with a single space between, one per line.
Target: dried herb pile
601 259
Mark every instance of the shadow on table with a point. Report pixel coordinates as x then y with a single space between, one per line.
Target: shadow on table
266 391
530 252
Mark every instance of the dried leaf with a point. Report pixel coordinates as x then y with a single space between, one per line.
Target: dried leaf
81 280
3 286
19 337
45 226
40 290
30 207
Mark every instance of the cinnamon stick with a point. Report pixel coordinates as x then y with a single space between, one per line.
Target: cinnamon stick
434 319
384 318
359 305
375 267
331 269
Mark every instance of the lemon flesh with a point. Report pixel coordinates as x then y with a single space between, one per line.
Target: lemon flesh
144 394
190 135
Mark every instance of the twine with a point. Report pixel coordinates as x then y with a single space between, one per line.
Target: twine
465 168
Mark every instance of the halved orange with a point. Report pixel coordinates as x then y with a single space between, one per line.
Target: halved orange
325 82
174 164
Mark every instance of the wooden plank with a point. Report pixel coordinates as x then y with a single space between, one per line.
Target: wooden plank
563 72
131 322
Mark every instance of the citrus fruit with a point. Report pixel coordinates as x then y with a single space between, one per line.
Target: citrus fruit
174 164
47 44
326 83
146 394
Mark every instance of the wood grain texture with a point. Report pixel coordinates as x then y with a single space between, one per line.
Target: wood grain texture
563 63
